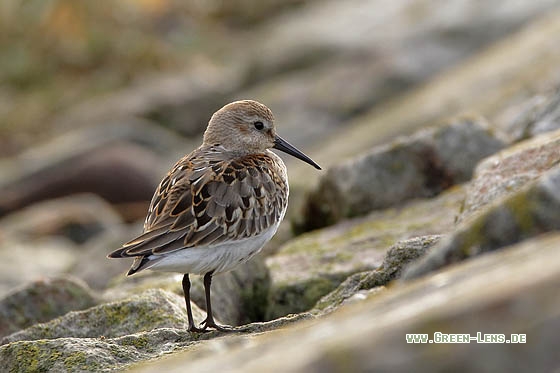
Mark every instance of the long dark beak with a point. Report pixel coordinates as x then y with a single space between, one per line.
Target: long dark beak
286 147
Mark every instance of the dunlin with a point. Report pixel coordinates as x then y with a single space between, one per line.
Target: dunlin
219 205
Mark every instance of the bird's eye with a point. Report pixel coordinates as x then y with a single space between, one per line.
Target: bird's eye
259 125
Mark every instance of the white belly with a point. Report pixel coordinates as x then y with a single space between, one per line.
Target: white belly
219 258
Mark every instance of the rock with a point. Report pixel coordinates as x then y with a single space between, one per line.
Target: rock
536 115
90 354
301 59
147 311
119 173
419 40
238 297
116 164
479 296
240 13
455 90
314 264
102 354
416 167
92 264
181 100
509 170
78 218
529 212
63 235
41 301
360 285
122 287
26 261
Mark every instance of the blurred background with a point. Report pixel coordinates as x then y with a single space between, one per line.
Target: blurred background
98 99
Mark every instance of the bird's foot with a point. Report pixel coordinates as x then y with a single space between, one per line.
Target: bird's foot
194 329
210 323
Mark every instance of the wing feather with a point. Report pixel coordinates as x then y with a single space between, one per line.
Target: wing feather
208 198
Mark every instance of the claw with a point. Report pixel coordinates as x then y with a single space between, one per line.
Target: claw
210 323
194 329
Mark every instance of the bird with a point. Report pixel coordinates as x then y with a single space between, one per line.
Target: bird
218 205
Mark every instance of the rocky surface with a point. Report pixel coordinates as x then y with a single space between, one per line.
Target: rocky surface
63 235
311 265
151 310
90 262
363 284
508 171
440 221
78 218
24 262
41 301
89 354
506 75
533 116
527 213
476 296
416 167
238 297
120 161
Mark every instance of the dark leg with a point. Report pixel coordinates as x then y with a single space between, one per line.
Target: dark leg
187 293
209 322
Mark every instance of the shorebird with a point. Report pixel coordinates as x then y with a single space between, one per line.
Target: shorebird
219 205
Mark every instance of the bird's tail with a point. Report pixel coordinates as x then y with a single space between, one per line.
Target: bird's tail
140 263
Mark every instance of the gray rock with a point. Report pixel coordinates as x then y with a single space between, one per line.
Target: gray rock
27 261
63 235
509 170
320 48
78 218
536 115
90 354
416 167
458 89
109 354
147 311
181 100
420 41
238 297
481 295
92 264
397 257
120 163
41 301
529 212
314 264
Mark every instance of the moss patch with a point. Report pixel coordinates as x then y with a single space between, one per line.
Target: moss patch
300 297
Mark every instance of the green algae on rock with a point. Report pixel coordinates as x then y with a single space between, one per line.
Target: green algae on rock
238 297
150 310
531 211
314 264
474 295
41 301
91 354
397 257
